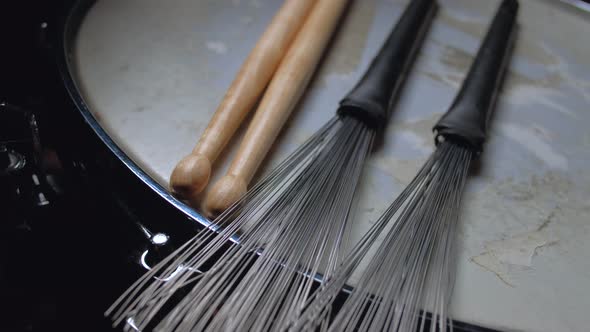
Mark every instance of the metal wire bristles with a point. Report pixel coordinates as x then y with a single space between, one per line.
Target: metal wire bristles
412 269
262 256
265 279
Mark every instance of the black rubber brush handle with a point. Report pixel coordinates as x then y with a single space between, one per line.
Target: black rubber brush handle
370 98
467 119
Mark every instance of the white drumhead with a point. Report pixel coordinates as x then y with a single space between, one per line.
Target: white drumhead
153 72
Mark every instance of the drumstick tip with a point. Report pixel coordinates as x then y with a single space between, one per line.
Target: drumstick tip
228 190
190 176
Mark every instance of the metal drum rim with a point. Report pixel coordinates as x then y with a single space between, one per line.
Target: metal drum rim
66 42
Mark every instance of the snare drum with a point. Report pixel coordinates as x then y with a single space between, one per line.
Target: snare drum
147 75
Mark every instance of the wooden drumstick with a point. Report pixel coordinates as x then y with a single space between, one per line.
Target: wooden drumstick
284 90
191 174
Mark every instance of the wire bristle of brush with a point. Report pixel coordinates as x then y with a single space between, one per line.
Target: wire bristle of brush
307 197
262 255
412 269
408 282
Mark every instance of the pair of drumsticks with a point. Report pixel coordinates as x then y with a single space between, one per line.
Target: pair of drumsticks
282 62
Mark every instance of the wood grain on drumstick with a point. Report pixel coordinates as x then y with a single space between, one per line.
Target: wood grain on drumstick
280 98
191 174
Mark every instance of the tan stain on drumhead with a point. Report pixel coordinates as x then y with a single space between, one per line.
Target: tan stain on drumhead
516 79
475 29
527 47
533 51
456 58
447 79
530 194
458 62
344 56
482 8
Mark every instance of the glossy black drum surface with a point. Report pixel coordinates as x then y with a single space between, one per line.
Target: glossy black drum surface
118 156
62 264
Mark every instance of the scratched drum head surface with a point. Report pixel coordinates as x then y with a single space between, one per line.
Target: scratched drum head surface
153 72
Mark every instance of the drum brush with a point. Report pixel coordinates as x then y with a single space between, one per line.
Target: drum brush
261 256
192 173
412 270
